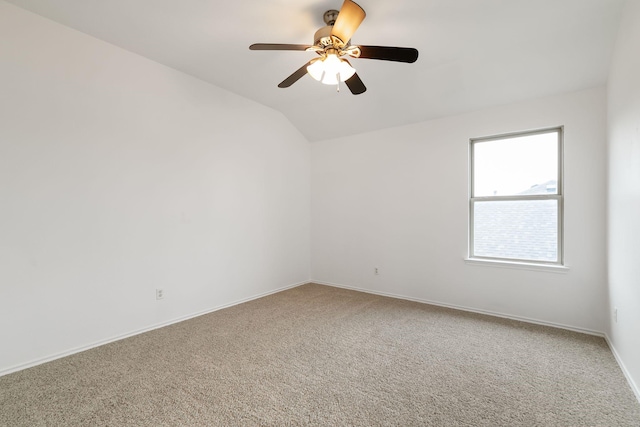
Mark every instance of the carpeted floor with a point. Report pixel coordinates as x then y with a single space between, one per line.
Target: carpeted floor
322 356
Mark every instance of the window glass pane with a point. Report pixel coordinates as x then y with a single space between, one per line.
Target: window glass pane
516 166
523 229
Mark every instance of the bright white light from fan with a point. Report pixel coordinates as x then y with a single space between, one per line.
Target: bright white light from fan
331 69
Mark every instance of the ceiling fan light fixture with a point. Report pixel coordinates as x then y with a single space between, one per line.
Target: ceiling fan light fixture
331 70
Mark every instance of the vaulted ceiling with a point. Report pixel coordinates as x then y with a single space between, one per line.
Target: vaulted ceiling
473 53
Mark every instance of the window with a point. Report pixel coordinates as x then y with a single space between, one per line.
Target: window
516 197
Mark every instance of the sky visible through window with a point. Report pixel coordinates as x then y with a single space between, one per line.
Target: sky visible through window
510 166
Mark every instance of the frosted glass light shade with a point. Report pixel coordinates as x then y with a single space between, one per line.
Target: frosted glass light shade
330 70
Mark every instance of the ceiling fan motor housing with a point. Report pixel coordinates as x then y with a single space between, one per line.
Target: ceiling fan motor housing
323 36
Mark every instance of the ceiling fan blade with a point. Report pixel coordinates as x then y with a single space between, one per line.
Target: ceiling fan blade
297 75
355 85
349 19
389 53
277 46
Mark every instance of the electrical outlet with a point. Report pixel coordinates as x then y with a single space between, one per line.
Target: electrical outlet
615 314
376 271
159 293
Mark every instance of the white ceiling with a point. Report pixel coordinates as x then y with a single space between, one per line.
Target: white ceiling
473 53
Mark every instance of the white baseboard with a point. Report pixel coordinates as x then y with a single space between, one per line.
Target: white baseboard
625 371
469 309
79 349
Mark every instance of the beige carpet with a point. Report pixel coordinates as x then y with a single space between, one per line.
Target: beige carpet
322 356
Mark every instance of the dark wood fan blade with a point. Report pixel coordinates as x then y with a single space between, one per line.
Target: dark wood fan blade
297 75
389 53
349 19
277 46
355 85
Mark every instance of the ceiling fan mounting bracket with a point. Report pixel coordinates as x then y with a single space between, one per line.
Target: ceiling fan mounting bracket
330 17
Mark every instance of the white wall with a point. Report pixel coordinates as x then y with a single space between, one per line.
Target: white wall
624 193
119 176
397 199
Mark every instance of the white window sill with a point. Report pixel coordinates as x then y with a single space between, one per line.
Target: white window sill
517 265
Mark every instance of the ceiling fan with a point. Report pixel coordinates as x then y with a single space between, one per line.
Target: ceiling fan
332 43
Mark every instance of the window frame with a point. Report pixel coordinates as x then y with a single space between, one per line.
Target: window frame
559 197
